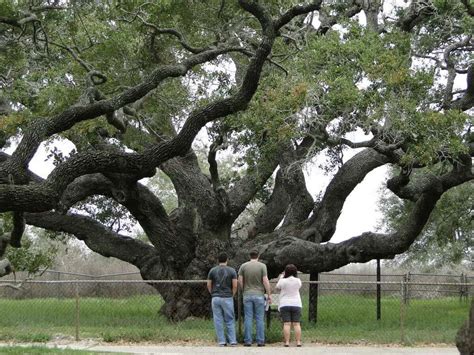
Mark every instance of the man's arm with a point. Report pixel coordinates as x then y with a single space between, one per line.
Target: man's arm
234 286
209 286
241 281
268 289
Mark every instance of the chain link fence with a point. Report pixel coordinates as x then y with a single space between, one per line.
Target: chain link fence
334 311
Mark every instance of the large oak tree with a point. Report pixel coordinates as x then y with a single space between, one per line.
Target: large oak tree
132 83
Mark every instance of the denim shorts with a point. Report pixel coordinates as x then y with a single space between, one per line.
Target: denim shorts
290 314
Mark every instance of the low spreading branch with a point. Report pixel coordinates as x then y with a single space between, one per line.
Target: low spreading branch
96 236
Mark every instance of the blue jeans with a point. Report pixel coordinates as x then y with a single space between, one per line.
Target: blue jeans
254 306
223 314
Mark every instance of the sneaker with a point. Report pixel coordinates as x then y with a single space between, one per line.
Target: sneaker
247 344
233 344
260 345
222 344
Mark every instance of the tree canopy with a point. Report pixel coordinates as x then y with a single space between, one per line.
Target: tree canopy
132 83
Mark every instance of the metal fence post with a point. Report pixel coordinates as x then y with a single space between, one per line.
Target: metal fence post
59 285
379 291
466 288
313 298
402 312
239 310
76 291
405 288
462 290
408 287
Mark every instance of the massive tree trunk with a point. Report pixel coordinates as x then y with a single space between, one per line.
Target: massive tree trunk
465 335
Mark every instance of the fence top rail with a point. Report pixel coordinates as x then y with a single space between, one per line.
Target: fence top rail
65 273
388 283
440 275
101 281
408 283
354 274
396 275
118 274
466 274
89 275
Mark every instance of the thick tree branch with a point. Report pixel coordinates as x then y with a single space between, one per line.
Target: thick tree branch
290 198
163 234
245 189
127 192
10 21
172 32
154 156
467 100
194 190
142 204
327 21
43 8
43 128
450 66
354 145
301 202
83 187
322 224
297 11
418 11
372 9
287 245
211 159
270 215
97 237
260 13
5 267
18 229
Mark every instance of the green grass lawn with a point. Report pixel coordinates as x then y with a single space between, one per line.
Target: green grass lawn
341 319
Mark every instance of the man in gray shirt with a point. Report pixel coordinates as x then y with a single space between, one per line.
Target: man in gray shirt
222 285
253 279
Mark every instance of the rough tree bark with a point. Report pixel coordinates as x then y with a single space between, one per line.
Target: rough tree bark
465 335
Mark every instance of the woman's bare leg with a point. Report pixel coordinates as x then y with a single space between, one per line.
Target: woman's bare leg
297 328
286 332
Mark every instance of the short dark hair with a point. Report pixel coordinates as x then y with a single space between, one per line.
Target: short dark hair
254 254
222 258
290 270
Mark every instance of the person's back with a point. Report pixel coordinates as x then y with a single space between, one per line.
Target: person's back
253 272
254 282
221 277
222 285
290 303
289 292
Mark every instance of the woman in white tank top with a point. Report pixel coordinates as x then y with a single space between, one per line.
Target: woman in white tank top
290 303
